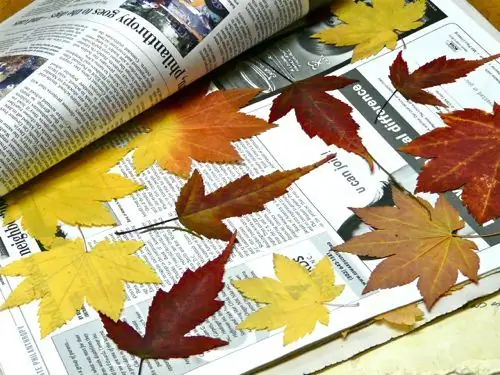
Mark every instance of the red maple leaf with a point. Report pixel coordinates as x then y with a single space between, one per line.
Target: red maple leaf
465 153
436 72
321 114
175 313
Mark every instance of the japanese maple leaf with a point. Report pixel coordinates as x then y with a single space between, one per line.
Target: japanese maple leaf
175 313
195 127
203 213
68 275
436 72
419 241
465 154
404 317
296 300
321 114
74 192
371 27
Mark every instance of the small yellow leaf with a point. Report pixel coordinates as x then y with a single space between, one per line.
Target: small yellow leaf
294 301
10 7
345 333
74 192
405 316
371 27
67 276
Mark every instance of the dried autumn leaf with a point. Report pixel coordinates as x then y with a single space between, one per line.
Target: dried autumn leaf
67 276
465 154
175 313
74 192
200 127
419 241
371 27
436 72
295 301
321 114
203 213
406 316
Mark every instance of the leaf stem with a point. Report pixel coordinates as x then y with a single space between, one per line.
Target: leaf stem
385 105
121 233
140 366
173 228
355 304
83 238
478 235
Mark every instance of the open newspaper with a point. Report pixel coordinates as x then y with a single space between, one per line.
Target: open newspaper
78 69
305 224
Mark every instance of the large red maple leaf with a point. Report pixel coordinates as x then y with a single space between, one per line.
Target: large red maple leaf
321 114
465 153
175 313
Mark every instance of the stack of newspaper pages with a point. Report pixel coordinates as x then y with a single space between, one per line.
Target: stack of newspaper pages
71 72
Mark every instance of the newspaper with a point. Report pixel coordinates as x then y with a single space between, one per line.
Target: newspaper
305 224
86 67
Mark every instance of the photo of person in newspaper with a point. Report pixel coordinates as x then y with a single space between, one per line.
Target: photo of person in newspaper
184 22
15 69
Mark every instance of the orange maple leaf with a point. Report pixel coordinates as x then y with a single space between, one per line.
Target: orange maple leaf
419 241
404 317
195 126
465 153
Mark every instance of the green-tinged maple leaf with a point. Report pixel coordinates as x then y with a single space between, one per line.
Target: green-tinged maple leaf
295 300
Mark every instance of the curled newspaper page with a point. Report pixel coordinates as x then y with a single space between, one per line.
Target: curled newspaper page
71 71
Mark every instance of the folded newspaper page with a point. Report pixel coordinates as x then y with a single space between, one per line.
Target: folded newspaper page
304 225
78 69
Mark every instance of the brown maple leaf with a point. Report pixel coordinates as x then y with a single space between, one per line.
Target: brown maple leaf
203 213
175 313
404 317
436 72
195 126
465 153
419 241
321 114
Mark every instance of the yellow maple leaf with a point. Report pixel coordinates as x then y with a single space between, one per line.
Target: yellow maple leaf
195 127
294 301
67 276
490 9
372 27
72 192
10 7
404 317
